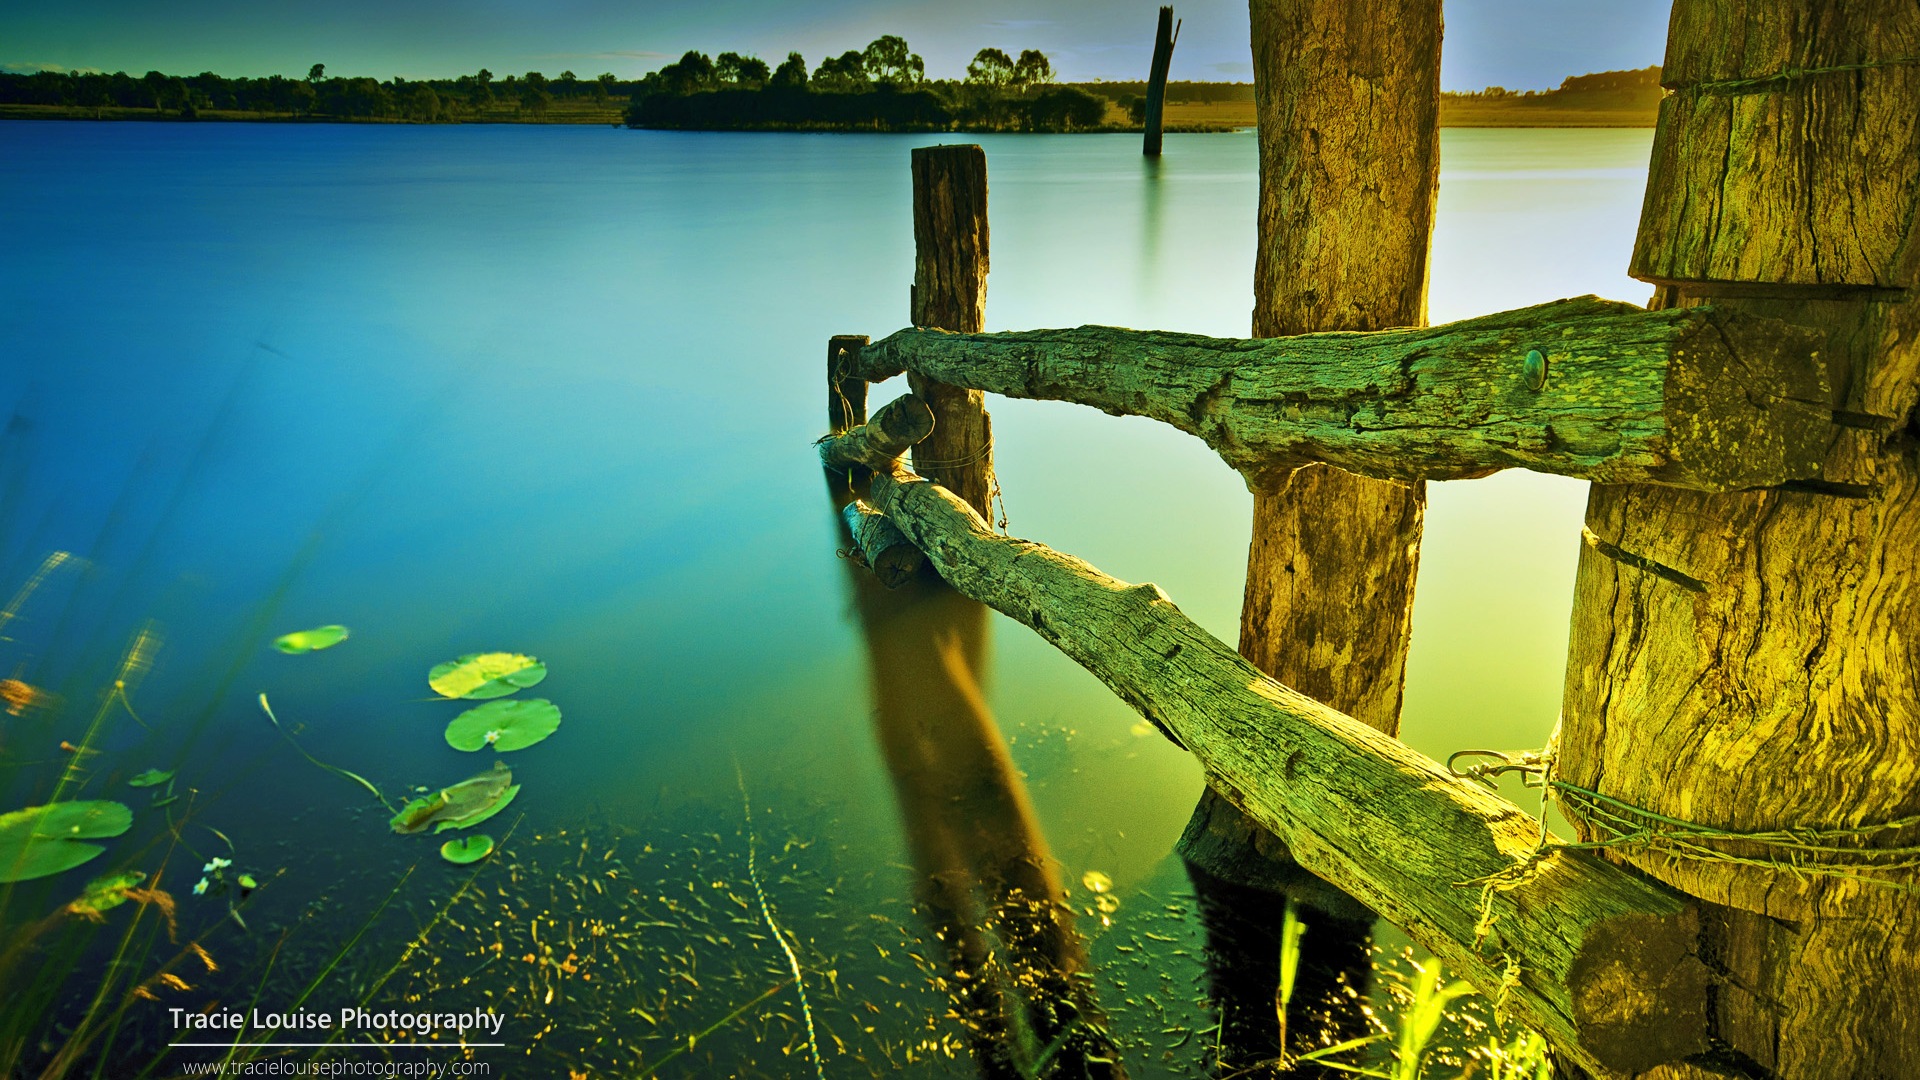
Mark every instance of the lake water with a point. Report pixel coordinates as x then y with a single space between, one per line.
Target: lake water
551 390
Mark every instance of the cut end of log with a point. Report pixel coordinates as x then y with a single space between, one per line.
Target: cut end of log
1780 428
887 552
1632 1012
877 443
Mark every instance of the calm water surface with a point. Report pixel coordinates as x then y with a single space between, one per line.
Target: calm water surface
551 390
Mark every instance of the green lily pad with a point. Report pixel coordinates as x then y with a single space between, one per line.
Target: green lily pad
247 882
468 802
105 893
306 641
150 778
478 676
41 841
504 725
467 849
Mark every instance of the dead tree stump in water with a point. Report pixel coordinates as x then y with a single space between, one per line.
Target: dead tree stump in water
950 293
1164 36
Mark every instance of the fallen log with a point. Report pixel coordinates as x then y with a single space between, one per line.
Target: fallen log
1605 391
879 442
1597 959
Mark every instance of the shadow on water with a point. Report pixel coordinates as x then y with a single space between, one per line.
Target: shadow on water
984 880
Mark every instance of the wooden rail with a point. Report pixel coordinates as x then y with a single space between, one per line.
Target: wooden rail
1604 391
1596 958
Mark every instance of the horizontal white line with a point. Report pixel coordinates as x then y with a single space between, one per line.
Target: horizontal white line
344 1046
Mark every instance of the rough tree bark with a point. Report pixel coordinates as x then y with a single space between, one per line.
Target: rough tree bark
950 293
1785 691
1598 960
1589 388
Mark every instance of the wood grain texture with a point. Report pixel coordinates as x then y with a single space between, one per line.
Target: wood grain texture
950 293
900 424
1605 962
1692 397
1789 150
1783 692
891 556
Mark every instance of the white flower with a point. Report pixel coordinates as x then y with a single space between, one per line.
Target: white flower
200 889
216 864
492 737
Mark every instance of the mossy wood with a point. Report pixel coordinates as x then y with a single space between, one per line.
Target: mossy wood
891 556
1782 690
1701 398
1598 960
950 293
876 443
1788 153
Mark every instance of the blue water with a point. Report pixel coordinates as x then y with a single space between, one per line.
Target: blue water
551 390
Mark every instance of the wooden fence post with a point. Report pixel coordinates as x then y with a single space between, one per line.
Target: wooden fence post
1164 35
1785 693
1347 99
950 293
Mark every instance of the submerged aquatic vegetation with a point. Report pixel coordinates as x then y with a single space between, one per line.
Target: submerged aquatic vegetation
306 641
41 841
466 803
105 893
504 725
478 676
150 778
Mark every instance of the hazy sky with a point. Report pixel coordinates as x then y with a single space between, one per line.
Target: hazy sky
1519 44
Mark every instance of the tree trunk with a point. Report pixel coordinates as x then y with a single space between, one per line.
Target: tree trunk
1163 36
1783 692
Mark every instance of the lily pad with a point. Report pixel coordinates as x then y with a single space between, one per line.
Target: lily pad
467 849
478 676
41 841
306 641
504 725
103 894
150 778
468 802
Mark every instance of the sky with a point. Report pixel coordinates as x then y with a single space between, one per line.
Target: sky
1519 44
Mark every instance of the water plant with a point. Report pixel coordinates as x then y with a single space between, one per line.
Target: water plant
461 805
41 841
306 641
478 676
467 849
150 778
504 725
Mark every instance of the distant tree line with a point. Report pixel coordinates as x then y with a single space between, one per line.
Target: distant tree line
474 96
1640 81
880 88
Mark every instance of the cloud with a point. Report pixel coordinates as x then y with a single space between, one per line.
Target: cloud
34 68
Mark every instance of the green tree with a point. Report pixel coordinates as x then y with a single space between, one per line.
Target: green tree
843 74
791 74
749 71
1032 69
990 67
422 103
316 73
691 73
887 60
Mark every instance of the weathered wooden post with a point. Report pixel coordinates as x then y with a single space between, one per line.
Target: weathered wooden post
1347 99
950 293
1164 36
1784 692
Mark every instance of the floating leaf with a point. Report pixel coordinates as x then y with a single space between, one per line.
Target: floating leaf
151 778
247 882
468 802
467 849
478 676
504 725
41 841
306 641
103 894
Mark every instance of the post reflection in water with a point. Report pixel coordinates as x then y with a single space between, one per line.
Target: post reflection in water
984 879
